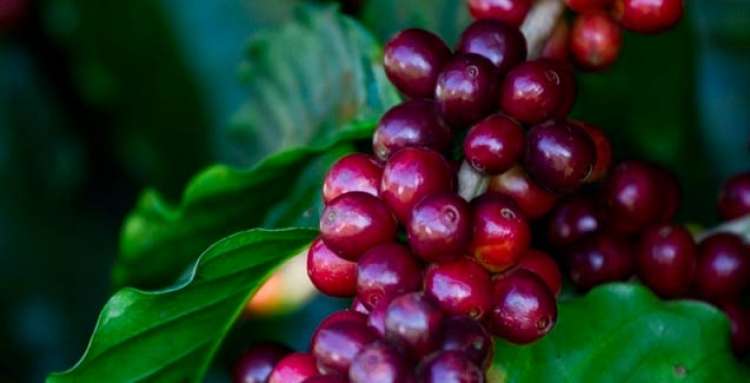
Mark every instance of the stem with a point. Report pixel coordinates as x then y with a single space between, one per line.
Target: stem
739 226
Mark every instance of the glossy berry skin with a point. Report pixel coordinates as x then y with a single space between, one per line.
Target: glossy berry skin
501 43
723 269
494 144
355 172
386 271
599 259
633 197
379 362
326 379
734 197
412 123
602 148
294 368
666 258
336 345
355 222
460 287
511 12
572 220
595 40
414 322
559 155
466 89
541 264
581 6
440 227
524 309
342 316
412 174
331 274
739 321
256 364
469 337
568 86
449 367
648 16
531 92
376 318
359 307
413 59
533 200
501 234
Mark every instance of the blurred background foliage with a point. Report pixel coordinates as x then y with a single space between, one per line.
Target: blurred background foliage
100 99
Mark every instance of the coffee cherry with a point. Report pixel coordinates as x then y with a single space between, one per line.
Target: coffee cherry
572 220
511 12
460 287
602 147
412 123
541 264
466 89
412 174
533 200
449 367
666 258
595 40
493 145
326 379
531 92
739 324
633 197
413 59
355 172
331 274
379 362
559 155
524 309
652 16
440 227
414 322
734 197
501 234
376 318
355 222
581 6
468 337
336 345
385 272
359 307
556 47
294 368
600 259
671 193
502 44
568 87
723 269
342 316
256 364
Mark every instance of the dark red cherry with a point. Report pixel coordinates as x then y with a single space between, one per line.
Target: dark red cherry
568 86
379 362
412 123
494 144
355 172
602 148
256 364
648 16
511 12
581 6
326 379
556 47
633 197
342 316
739 324
459 287
412 174
386 271
331 274
666 258
501 234
466 89
723 269
355 222
469 337
531 92
414 322
533 200
595 40
294 368
376 318
524 309
440 227
413 59
734 197
559 155
336 345
572 220
501 43
599 259
541 264
449 367
671 193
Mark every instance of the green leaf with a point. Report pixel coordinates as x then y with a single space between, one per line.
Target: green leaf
447 18
172 335
624 333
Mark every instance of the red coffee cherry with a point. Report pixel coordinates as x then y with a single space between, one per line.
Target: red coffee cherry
294 368
633 197
648 16
734 197
470 338
666 258
355 172
376 319
739 321
440 227
386 271
533 200
336 345
460 287
541 264
379 362
723 270
494 144
511 12
568 86
531 92
449 367
466 89
412 123
256 364
595 40
603 149
501 233
559 155
331 274
500 43
413 59
600 259
414 322
573 220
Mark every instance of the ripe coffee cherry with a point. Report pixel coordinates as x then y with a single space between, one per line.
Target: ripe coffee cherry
336 345
355 172
466 89
531 92
376 319
341 316
633 197
502 44
544 267
379 362
386 271
412 174
414 322
524 309
603 149
581 6
572 220
449 367
468 337
648 16
568 86
595 40
734 197
256 364
501 234
294 368
413 59
355 222
599 259
494 144
331 274
671 193
533 200
559 155
440 227
739 321
723 269
326 379
412 123
511 12
666 258
556 47
460 287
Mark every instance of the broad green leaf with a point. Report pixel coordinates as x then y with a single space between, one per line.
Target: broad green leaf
171 335
624 333
447 18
